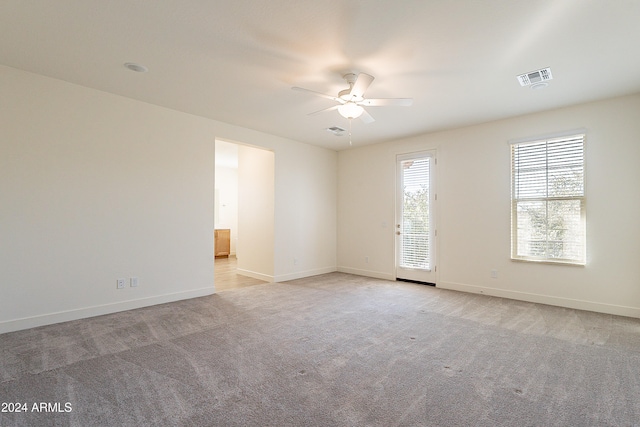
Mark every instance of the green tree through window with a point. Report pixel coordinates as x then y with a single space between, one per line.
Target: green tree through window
415 214
548 218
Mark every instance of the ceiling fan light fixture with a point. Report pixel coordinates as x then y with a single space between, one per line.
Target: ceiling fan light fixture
350 110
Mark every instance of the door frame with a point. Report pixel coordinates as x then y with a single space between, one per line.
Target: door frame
416 275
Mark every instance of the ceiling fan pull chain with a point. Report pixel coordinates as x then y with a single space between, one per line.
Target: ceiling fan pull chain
350 143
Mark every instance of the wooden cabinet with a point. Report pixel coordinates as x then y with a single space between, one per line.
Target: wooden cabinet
222 243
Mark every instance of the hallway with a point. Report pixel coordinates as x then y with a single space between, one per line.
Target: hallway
226 277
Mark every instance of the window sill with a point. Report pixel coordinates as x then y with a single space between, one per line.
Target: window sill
550 262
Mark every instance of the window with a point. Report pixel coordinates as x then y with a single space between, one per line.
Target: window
547 200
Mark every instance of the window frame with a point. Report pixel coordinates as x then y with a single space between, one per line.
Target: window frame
581 261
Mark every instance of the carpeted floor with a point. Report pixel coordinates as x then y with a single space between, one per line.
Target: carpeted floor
332 350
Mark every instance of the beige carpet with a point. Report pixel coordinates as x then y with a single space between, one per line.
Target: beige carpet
333 350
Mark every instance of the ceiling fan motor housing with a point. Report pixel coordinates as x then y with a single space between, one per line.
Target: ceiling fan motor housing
350 78
346 94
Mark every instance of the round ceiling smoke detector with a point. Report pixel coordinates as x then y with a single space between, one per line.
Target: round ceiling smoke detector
136 67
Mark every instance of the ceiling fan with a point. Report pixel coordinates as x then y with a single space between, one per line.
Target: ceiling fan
351 102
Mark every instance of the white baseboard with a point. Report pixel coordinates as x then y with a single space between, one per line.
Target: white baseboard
285 277
98 310
303 274
619 310
367 273
255 275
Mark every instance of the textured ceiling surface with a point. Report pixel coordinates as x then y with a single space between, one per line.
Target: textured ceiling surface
236 61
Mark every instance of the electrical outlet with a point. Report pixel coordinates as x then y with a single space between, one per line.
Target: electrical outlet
133 282
120 283
295 261
366 260
494 274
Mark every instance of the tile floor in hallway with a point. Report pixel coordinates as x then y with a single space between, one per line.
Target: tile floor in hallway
226 276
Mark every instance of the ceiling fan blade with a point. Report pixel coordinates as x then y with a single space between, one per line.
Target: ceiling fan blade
383 102
313 92
360 86
335 107
366 117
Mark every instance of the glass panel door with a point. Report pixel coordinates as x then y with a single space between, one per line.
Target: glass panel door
415 225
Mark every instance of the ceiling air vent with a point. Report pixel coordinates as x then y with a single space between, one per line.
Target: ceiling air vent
534 77
337 131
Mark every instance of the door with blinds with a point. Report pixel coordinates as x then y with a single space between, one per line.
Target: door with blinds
415 217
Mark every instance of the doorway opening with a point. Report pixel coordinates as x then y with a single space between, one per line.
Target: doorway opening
243 215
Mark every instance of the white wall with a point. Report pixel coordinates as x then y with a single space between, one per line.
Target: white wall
95 187
255 212
226 215
474 209
306 195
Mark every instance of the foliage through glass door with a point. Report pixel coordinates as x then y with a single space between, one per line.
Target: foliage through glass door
415 224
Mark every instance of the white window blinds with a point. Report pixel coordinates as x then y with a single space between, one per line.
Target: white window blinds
547 200
415 214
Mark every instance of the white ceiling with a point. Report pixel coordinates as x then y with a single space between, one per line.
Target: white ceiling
236 61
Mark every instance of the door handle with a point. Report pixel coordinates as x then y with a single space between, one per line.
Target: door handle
398 233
